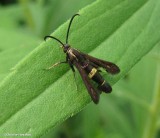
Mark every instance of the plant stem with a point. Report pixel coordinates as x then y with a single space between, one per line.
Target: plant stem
151 125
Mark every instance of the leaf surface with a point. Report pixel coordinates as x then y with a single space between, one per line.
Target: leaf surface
120 31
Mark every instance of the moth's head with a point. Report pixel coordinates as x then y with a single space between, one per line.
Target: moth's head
66 47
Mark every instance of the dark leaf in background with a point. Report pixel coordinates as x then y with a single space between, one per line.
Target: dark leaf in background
7 2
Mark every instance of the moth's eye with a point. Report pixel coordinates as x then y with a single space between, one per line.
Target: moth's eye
65 49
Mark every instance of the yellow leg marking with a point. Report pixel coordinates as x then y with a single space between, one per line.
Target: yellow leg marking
53 66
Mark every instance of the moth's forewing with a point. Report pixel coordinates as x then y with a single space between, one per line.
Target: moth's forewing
91 90
108 66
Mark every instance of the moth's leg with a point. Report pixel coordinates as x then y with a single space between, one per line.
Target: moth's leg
56 64
73 70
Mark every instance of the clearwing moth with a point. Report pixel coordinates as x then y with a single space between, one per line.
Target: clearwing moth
87 66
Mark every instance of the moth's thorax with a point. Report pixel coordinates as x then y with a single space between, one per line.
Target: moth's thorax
71 54
66 47
69 50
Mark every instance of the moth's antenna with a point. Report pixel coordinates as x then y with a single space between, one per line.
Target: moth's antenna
70 26
55 39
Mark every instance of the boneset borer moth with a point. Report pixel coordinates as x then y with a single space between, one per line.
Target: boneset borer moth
87 66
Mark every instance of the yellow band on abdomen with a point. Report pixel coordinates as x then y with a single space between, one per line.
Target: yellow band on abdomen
92 73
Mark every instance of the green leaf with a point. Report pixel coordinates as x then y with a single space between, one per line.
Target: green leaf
114 115
11 16
8 49
34 101
134 96
43 17
62 10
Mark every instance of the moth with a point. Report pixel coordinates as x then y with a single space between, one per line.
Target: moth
87 66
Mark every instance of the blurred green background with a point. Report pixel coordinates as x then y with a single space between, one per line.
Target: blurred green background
131 111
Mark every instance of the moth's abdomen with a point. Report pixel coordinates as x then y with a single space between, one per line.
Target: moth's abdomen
96 76
102 84
105 87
